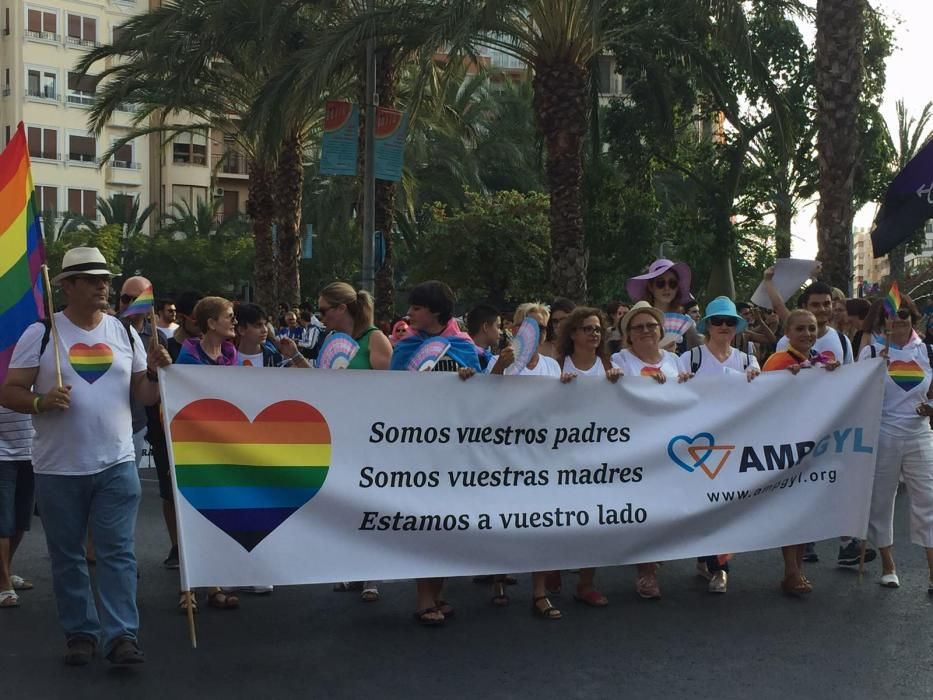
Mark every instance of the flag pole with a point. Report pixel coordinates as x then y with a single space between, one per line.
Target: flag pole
192 633
53 327
153 337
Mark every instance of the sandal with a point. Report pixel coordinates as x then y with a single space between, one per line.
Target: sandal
20 584
592 597
552 582
548 612
444 608
223 600
796 585
421 617
499 598
370 595
183 603
9 599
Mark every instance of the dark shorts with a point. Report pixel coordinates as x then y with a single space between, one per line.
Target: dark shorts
159 454
17 496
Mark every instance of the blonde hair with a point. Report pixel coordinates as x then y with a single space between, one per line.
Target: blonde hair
837 294
795 313
359 304
532 307
209 309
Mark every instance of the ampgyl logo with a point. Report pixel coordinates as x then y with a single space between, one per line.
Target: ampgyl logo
701 451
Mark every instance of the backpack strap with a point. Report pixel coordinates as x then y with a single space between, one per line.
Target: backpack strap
46 334
930 354
696 357
844 342
746 360
874 352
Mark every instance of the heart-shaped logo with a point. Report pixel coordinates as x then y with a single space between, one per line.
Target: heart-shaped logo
906 375
247 477
91 362
698 453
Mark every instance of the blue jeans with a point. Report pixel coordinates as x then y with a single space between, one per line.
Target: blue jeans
107 502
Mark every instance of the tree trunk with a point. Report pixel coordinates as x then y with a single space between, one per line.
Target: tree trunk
783 217
560 104
840 31
289 182
260 208
387 81
896 261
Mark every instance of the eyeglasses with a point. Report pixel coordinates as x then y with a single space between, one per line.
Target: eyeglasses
644 328
661 283
723 321
92 279
591 330
127 298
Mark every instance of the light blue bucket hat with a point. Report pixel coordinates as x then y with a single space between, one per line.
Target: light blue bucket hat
722 306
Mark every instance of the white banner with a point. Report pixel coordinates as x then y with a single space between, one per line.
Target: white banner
289 476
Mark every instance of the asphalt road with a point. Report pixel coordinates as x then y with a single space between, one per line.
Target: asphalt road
849 639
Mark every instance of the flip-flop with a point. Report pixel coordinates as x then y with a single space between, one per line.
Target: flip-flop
9 599
20 584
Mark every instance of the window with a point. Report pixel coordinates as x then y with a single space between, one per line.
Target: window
83 202
8 133
116 33
122 205
82 149
43 143
189 193
6 21
41 24
231 203
190 148
47 199
81 88
82 31
42 83
123 157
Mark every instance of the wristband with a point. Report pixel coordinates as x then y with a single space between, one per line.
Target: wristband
35 404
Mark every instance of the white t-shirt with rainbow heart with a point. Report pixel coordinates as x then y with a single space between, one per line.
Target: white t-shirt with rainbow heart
96 431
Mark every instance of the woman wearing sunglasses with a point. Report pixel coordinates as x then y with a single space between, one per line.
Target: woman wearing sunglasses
715 358
800 328
905 444
642 329
538 366
666 286
581 351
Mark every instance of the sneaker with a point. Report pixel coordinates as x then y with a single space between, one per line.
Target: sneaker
171 561
718 583
126 652
809 554
79 651
850 554
890 580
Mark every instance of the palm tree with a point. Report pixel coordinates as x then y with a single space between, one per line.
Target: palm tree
117 210
913 134
840 32
208 59
199 220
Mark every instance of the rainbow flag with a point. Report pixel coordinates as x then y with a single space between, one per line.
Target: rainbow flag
142 304
22 253
246 477
892 302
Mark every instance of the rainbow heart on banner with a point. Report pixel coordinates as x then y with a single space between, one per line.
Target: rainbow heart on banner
91 362
248 477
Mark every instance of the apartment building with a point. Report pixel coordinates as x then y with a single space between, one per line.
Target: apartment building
40 44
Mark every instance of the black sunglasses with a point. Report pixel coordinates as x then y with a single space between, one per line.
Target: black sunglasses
723 321
670 284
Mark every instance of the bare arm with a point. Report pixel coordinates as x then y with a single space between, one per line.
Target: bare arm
380 350
777 304
17 393
144 387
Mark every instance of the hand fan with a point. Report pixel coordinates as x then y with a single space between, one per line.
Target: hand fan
428 354
524 344
337 351
675 325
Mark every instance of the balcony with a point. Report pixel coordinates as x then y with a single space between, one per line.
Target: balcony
121 172
50 37
82 159
78 42
80 99
44 155
6 90
44 93
234 167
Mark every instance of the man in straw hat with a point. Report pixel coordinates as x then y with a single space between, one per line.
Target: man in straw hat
76 375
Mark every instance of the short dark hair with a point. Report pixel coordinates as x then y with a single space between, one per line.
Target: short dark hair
186 302
435 296
305 315
614 306
479 316
742 305
815 288
248 314
161 304
858 307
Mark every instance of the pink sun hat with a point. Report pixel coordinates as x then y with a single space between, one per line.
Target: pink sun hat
637 287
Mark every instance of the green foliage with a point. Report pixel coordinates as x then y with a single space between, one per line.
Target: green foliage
495 249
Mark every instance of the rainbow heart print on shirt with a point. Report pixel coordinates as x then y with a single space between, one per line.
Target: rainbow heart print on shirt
248 477
907 375
91 362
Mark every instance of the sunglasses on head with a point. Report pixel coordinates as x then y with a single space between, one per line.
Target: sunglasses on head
723 321
661 283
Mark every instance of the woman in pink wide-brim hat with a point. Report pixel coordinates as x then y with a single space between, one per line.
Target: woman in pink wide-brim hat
666 286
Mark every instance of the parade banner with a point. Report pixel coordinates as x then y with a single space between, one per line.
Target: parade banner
287 476
391 132
340 142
